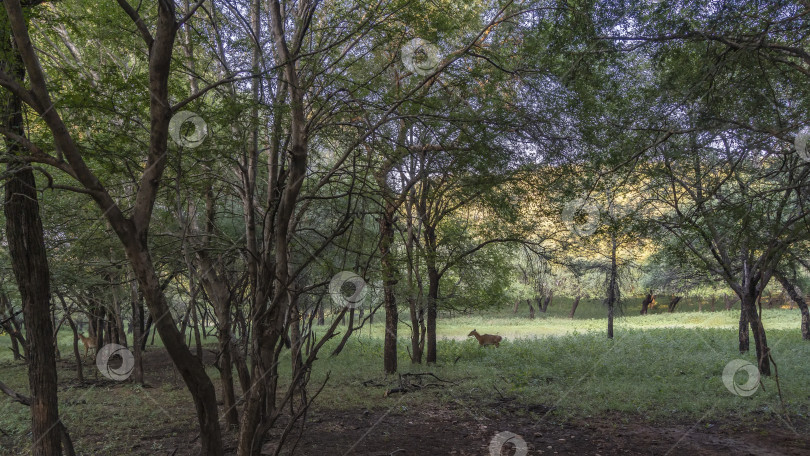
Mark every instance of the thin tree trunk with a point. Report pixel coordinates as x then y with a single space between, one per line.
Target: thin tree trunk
346 335
119 319
796 296
574 307
613 285
76 353
547 302
674 302
760 341
742 331
197 339
646 303
388 269
531 309
137 332
432 312
146 332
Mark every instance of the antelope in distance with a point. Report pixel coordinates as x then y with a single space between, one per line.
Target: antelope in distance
89 343
486 339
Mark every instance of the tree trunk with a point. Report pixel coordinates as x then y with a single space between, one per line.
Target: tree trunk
797 297
217 290
137 332
547 302
121 335
346 336
190 367
226 376
574 307
417 323
432 311
743 331
674 302
515 310
196 329
29 261
389 280
146 332
531 309
76 353
613 285
30 264
133 231
760 341
646 303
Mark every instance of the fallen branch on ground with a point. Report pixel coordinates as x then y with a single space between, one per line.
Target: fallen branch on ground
67 444
406 385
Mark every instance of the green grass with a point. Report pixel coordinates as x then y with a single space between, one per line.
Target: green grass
661 367
657 365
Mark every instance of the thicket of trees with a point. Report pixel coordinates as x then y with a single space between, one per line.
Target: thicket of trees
216 167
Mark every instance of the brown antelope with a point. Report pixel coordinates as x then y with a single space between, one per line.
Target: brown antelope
89 343
486 339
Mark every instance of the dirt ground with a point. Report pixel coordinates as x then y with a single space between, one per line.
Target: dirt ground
453 432
450 429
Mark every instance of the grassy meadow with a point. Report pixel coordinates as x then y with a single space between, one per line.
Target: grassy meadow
660 368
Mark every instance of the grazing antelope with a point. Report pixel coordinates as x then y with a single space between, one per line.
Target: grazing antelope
486 339
89 343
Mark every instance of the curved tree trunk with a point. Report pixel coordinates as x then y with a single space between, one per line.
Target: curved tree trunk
133 231
674 302
574 307
797 297
346 335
